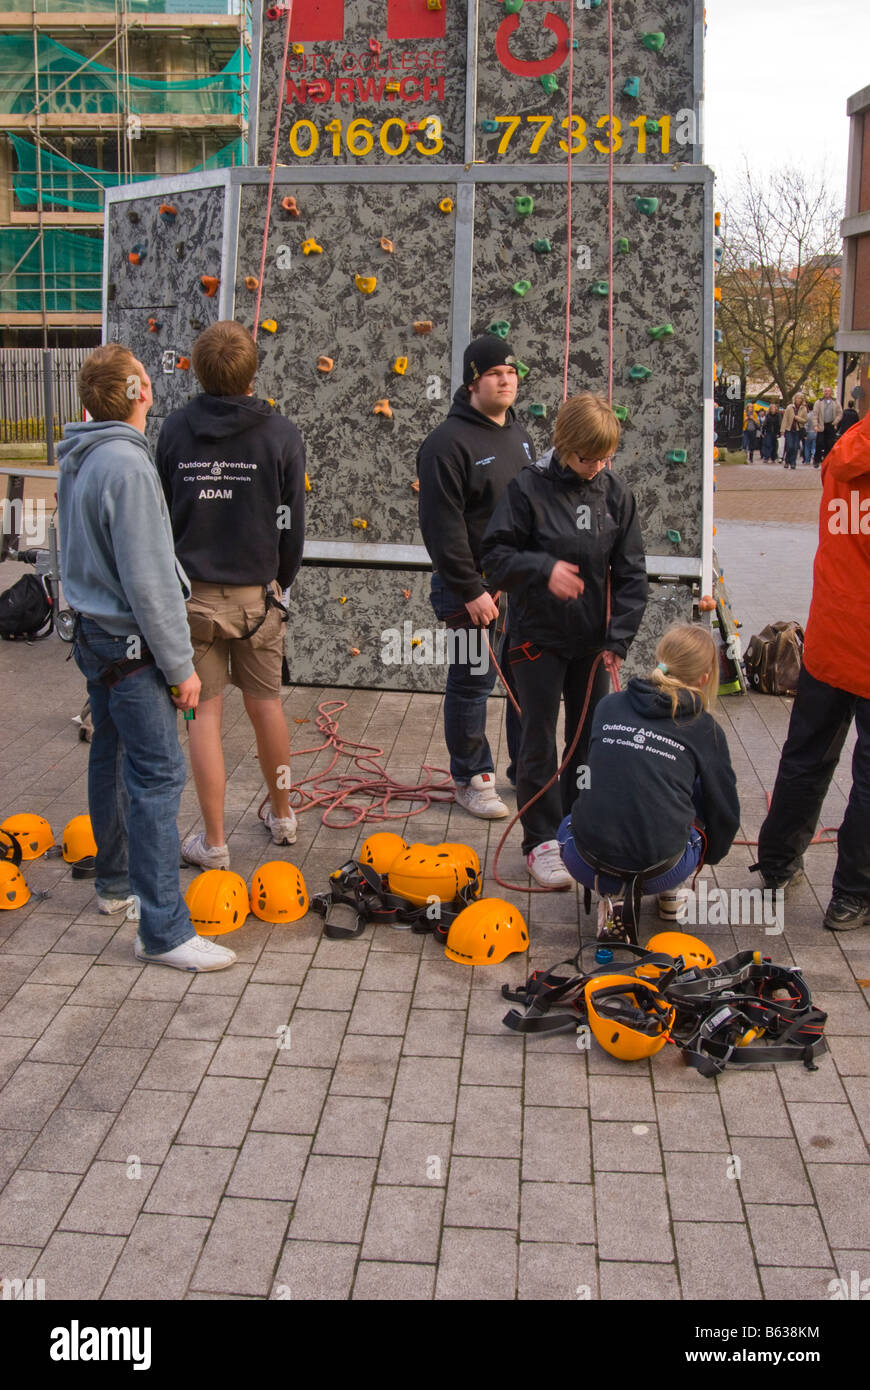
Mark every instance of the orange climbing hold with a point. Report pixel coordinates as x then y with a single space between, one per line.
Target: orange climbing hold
153 326
325 364
183 364
289 205
386 244
707 604
423 325
251 282
406 593
355 651
383 408
210 285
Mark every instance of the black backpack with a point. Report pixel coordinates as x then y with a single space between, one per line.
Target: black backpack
25 610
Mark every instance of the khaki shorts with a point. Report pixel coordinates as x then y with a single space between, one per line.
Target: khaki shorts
219 615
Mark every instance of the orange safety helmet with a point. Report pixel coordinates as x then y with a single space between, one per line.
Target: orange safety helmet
486 933
10 849
679 943
380 851
430 871
278 892
32 832
217 901
14 892
467 856
78 840
629 1018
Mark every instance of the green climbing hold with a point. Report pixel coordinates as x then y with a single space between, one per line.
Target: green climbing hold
622 246
595 4
489 126
651 127
654 42
524 205
677 456
674 537
538 410
600 287
647 205
631 87
500 327
549 83
621 413
522 287
514 7
522 370
638 373
663 330
542 244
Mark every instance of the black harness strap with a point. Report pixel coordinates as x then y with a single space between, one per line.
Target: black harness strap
116 671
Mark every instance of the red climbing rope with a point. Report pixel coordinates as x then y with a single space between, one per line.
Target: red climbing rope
569 242
610 204
282 86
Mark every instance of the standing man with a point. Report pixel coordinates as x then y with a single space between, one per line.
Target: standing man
793 421
464 467
833 689
233 471
132 645
827 414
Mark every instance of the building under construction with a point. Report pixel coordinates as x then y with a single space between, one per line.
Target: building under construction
93 94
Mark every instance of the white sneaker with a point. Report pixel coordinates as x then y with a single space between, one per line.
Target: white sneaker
109 906
282 828
195 955
673 905
546 867
480 798
196 851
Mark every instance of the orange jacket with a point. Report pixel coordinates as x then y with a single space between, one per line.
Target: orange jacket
838 631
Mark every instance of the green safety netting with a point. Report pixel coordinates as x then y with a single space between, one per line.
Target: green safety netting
73 270
69 185
100 89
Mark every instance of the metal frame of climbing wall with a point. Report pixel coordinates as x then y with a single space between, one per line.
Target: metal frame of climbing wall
459 249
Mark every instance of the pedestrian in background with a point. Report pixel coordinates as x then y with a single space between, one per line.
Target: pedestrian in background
750 434
793 421
810 435
827 414
850 418
770 434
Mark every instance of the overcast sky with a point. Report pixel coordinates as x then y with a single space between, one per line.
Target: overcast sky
777 76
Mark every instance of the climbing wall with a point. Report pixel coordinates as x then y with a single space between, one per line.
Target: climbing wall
418 201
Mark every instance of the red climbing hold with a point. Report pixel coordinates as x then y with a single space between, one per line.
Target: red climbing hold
210 284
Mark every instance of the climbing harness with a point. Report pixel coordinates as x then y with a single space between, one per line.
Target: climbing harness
364 896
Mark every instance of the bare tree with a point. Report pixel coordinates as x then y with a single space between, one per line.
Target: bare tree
780 280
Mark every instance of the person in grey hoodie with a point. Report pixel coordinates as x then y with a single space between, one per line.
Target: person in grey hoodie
132 645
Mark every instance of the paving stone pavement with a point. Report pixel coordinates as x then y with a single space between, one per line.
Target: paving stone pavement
156 1141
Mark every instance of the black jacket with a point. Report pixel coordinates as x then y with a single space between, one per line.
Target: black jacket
549 513
464 467
233 472
847 420
637 810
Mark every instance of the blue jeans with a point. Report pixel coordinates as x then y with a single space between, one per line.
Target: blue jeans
663 883
792 444
136 774
809 446
469 683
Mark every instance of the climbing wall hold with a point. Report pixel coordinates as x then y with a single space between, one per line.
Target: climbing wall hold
600 287
133 215
638 373
154 326
423 325
319 88
360 523
210 285
717 294
513 6
677 456
382 407
549 83
446 205
621 413
489 126
251 282
718 335
524 205
500 327
522 287
400 366
622 247
275 12
651 126
674 537
433 4
307 483
179 250
707 604
631 87
538 409
542 244
355 651
167 214
138 254
522 370
374 45
393 87
196 323
662 330
415 485
654 42
406 593
366 284
325 364
386 244
270 325
290 205
311 248
343 598
647 205
182 363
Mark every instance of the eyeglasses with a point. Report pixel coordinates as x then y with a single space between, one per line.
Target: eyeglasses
607 461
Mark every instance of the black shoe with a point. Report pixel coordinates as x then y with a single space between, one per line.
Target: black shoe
846 911
775 881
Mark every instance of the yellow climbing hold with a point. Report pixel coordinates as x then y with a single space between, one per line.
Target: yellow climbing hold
307 483
365 283
311 248
446 205
360 523
400 366
270 325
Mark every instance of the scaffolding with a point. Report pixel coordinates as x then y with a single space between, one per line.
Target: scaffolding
58 106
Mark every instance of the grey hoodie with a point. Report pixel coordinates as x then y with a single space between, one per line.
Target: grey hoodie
117 561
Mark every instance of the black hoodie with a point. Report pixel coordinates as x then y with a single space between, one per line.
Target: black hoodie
550 513
233 472
637 810
464 467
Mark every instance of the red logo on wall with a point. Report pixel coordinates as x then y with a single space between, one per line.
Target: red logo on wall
321 21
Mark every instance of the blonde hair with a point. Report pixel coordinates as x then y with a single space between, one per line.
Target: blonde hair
688 652
586 426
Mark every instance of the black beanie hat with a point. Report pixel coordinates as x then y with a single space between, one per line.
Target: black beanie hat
484 352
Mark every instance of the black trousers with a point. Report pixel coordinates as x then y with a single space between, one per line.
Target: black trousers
542 678
825 441
819 723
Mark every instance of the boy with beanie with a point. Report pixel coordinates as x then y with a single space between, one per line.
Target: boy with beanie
464 466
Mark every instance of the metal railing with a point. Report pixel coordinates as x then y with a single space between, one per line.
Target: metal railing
22 392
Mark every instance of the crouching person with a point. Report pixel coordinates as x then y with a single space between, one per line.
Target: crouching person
660 794
132 645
